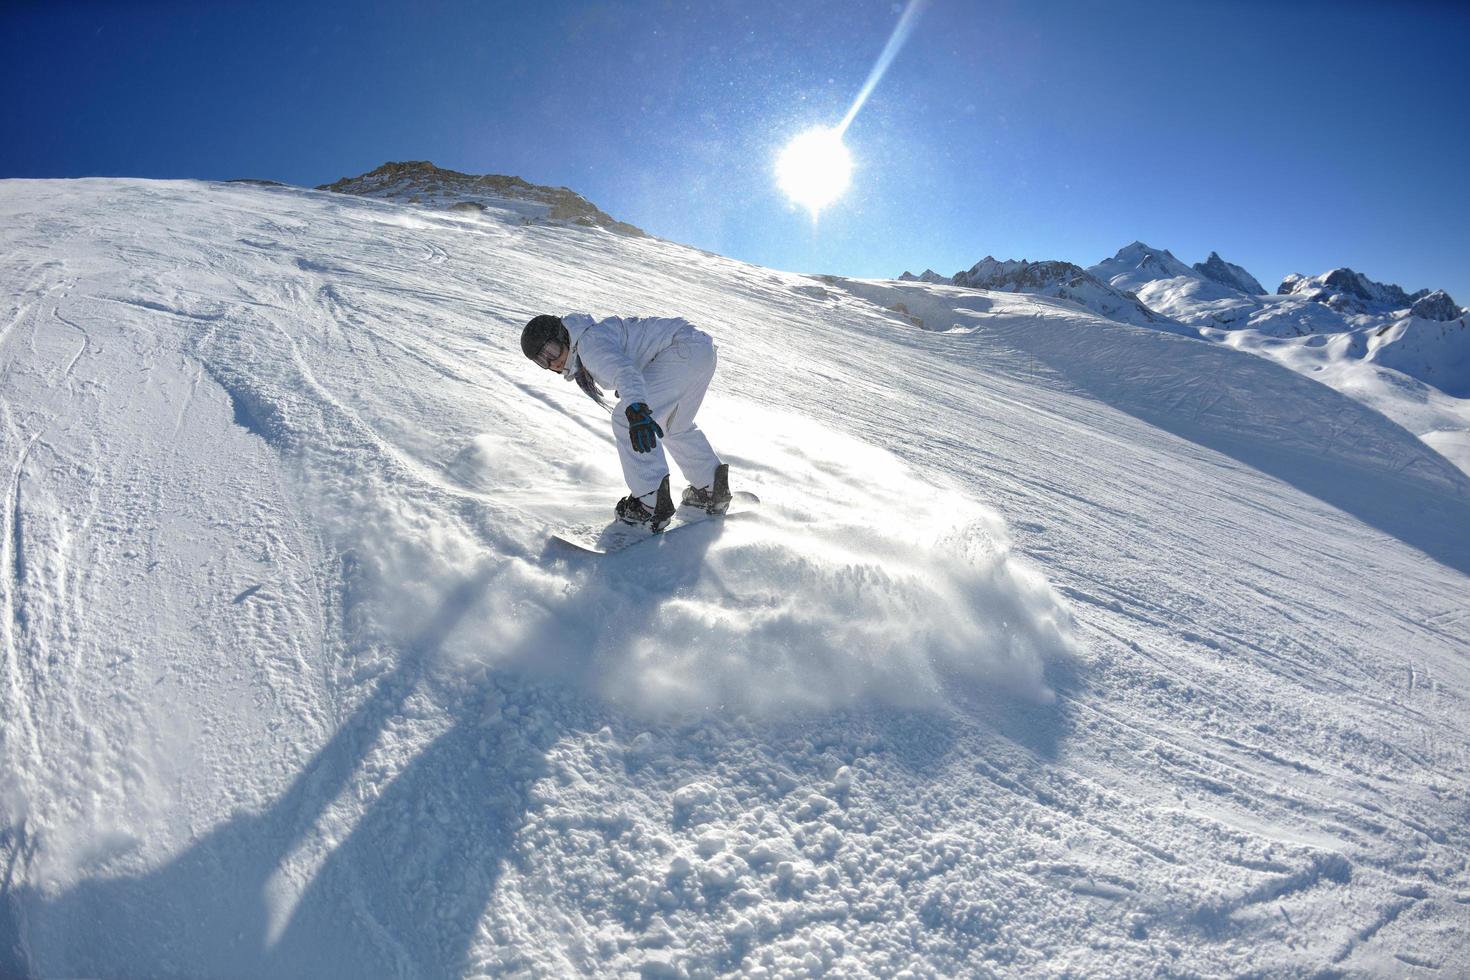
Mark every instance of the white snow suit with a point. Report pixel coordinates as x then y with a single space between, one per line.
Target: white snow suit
664 362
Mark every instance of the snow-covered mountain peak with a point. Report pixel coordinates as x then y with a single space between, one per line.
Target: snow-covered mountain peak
420 182
928 275
1350 292
991 269
1375 342
1229 274
1137 264
1020 275
1018 271
1436 306
1143 254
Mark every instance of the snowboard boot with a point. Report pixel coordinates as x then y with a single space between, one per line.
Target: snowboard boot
634 510
713 499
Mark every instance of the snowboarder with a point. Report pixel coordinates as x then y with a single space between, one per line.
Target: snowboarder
659 369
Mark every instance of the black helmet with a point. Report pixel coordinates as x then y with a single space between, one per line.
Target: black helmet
540 330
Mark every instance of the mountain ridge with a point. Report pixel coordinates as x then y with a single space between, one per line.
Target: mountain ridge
1055 278
1229 274
421 182
1350 292
1149 286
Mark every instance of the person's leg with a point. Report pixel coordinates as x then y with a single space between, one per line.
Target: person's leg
681 375
643 472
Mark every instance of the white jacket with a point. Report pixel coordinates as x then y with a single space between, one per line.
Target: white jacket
615 350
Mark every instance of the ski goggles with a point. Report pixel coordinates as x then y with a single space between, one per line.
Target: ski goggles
550 351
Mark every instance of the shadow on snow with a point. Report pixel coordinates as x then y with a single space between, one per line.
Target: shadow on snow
405 891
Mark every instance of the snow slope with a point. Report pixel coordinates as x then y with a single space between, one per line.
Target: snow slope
1381 367
1403 354
1060 646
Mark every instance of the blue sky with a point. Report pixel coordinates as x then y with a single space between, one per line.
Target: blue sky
1291 137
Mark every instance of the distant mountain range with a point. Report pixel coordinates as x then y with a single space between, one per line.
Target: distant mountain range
1062 280
1423 334
1349 292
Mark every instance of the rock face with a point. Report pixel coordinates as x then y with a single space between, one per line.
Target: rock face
1063 280
928 275
1436 306
1019 275
420 182
1229 274
1350 292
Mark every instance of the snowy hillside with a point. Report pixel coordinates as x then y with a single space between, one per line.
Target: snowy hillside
1379 366
1403 354
1060 646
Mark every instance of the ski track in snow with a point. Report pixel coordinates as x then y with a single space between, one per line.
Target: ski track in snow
1058 647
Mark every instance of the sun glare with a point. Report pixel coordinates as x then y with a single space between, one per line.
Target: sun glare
814 168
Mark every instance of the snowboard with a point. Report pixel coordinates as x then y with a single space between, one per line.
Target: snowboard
604 539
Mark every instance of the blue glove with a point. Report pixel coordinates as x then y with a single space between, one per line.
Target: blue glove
643 431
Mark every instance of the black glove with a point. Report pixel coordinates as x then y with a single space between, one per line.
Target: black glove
643 431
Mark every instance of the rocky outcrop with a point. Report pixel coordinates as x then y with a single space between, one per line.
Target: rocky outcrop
928 275
1436 306
1229 274
1063 280
420 182
1019 275
1350 292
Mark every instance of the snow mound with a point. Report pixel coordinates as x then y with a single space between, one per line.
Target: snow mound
1433 350
856 583
1199 301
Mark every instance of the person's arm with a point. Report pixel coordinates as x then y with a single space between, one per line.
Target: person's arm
602 351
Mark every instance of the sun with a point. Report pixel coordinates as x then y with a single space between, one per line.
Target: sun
814 169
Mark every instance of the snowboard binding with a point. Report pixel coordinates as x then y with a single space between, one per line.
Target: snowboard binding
713 499
633 511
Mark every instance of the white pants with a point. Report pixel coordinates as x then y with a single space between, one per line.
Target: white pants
676 381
